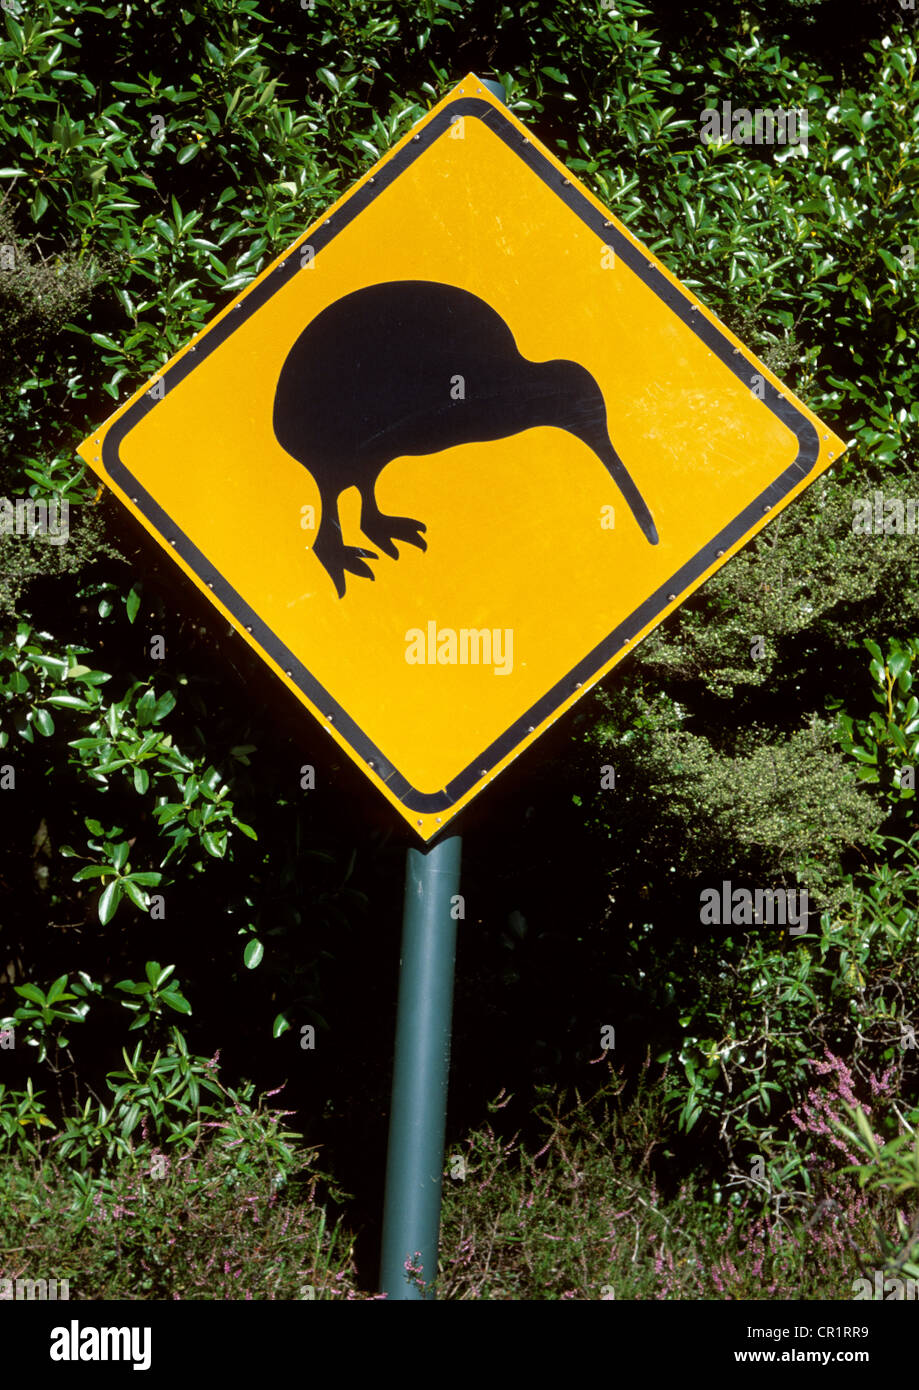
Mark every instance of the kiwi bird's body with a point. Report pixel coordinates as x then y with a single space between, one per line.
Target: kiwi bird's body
410 368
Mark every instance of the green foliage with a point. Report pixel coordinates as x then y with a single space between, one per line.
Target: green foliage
894 1165
43 1012
736 1015
891 1168
163 1097
886 744
121 738
776 1001
156 1195
582 1216
783 809
38 295
19 1110
154 992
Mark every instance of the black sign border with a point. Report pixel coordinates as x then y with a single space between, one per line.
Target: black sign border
582 673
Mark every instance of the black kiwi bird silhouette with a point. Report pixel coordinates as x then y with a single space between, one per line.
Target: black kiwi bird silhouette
374 377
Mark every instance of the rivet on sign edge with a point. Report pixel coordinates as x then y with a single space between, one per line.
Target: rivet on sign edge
671 597
718 554
767 508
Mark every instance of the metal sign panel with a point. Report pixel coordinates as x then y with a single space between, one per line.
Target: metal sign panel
451 455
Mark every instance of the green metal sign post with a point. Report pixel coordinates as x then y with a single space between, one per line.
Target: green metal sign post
415 1159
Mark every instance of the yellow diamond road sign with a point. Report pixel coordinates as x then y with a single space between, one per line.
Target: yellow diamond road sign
459 448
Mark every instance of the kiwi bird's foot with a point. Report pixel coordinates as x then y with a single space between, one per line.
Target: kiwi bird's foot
383 530
342 558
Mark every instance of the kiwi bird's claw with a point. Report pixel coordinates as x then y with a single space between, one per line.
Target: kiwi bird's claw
385 530
352 559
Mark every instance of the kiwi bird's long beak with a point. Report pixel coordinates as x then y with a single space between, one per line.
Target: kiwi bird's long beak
584 414
637 503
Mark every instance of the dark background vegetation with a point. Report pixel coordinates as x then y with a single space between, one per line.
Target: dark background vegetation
582 905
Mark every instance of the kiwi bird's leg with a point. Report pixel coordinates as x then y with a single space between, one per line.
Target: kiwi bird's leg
621 477
382 530
332 553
